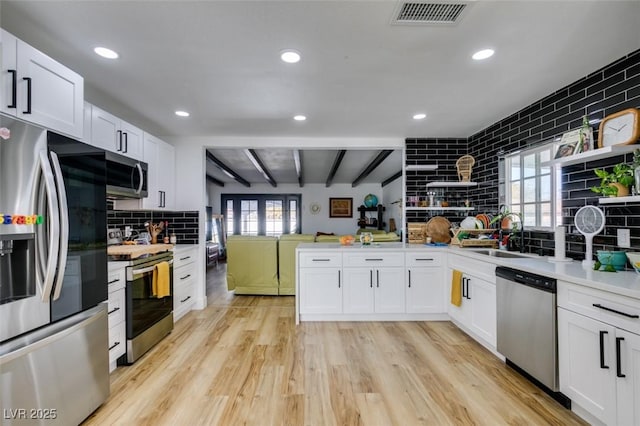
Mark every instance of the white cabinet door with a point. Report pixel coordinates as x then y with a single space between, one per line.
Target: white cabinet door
151 152
320 291
131 140
358 290
160 157
113 134
425 290
9 88
105 130
389 290
167 171
587 364
482 295
46 92
628 387
459 313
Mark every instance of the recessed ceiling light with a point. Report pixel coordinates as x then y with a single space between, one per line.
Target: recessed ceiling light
300 117
483 54
419 116
290 56
182 113
106 53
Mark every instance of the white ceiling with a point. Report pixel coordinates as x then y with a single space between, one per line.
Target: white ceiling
360 75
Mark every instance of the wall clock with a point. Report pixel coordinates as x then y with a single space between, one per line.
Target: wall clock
314 208
620 128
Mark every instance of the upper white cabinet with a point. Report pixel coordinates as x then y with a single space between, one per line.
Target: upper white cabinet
160 157
38 89
116 135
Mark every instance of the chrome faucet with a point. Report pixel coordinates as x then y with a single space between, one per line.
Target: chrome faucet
521 227
504 213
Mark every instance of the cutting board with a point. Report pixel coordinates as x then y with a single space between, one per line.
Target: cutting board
136 251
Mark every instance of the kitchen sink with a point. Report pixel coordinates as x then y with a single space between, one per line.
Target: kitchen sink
501 253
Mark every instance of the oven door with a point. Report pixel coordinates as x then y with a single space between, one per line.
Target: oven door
143 308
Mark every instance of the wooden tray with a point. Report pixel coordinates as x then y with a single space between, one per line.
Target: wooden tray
473 242
133 252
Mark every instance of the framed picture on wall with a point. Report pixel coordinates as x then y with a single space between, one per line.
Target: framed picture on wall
341 207
566 149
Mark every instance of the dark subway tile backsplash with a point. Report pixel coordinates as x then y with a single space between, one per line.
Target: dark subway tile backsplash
608 90
184 224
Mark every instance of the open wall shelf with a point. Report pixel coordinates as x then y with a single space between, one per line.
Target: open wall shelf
595 154
451 184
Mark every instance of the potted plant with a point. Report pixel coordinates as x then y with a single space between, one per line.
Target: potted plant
615 183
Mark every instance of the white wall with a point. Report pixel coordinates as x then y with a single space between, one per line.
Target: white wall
311 193
394 191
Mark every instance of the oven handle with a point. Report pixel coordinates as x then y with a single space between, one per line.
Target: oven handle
148 269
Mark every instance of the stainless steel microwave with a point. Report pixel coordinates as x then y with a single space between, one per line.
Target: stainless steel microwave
126 177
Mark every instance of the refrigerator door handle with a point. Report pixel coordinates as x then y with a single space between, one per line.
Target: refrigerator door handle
54 227
64 225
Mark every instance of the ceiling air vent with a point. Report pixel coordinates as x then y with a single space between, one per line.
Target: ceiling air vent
428 13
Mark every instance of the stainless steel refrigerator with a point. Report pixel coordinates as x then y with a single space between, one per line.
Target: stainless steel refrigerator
54 360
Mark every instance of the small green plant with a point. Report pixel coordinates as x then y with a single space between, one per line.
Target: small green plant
621 174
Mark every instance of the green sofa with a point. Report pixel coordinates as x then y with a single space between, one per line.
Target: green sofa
287 261
252 264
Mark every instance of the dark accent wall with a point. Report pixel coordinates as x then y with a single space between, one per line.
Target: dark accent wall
183 223
444 153
608 90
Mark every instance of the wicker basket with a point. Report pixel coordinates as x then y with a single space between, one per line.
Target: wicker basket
464 165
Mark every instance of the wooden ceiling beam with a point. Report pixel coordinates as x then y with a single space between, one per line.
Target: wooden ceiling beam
215 181
227 170
371 167
259 165
335 166
391 178
297 159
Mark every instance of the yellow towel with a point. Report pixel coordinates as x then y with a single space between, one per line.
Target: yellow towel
456 288
161 283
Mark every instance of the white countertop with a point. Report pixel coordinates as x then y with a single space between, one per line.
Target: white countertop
626 283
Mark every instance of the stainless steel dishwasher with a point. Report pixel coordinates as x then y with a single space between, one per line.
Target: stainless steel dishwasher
527 333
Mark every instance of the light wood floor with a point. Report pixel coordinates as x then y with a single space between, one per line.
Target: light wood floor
242 360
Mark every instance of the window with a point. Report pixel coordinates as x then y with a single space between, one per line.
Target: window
532 188
262 214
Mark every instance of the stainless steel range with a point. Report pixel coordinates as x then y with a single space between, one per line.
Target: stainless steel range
149 317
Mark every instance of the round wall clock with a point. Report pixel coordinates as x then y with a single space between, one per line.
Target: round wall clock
314 208
620 128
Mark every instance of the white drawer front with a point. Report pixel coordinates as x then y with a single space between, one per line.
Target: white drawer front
424 259
185 257
478 268
613 309
117 341
184 274
116 279
183 297
373 258
116 307
321 260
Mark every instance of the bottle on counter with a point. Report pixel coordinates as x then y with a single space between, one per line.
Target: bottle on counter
173 239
